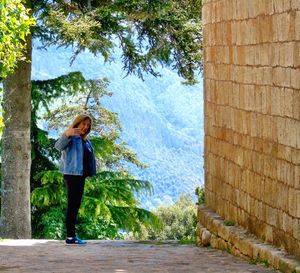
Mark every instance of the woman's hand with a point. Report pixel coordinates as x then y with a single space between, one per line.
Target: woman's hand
73 132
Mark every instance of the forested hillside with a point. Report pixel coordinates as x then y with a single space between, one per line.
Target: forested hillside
162 119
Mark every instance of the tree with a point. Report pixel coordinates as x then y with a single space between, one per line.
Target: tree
179 221
109 203
149 32
16 151
14 26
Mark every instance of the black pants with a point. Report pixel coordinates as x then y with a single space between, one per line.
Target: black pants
75 187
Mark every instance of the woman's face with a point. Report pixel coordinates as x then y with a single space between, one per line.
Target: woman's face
84 125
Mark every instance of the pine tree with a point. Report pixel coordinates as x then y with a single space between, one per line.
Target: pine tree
109 203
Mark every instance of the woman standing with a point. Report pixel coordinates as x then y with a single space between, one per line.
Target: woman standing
77 163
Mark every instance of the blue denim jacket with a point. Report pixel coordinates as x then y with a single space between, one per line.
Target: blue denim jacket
72 155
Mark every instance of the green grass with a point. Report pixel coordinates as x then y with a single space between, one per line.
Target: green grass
157 242
229 223
171 242
256 261
187 241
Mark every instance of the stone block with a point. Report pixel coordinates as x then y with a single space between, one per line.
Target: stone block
282 198
293 197
265 31
276 103
241 55
274 54
278 6
297 25
297 133
240 28
263 54
244 247
268 233
297 204
288 97
286 27
287 222
206 14
249 96
218 11
271 215
266 7
266 99
241 10
205 237
254 128
282 77
295 78
287 5
259 211
276 27
284 152
253 9
296 228
286 54
295 4
297 176
280 172
234 25
296 54
278 76
214 241
250 55
258 75
282 133
267 124
296 104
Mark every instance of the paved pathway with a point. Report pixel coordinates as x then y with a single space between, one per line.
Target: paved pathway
30 256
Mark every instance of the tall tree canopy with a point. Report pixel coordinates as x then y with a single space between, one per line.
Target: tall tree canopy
149 32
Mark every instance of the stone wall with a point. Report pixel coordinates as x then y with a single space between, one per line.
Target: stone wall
252 116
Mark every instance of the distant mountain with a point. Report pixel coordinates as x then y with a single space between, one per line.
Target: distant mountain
162 119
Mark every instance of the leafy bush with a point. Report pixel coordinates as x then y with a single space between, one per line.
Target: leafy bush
108 205
179 221
15 24
200 192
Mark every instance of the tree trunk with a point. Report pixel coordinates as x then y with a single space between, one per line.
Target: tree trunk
16 151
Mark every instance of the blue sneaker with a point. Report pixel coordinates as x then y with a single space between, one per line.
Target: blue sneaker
75 241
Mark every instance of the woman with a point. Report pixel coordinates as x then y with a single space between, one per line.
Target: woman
77 163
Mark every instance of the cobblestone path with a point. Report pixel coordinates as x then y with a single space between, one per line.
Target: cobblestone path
30 256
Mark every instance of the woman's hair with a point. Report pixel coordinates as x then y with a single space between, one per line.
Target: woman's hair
79 119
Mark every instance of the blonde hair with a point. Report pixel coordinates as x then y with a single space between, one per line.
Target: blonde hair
80 118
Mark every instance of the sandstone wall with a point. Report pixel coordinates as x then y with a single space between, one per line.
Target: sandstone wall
252 116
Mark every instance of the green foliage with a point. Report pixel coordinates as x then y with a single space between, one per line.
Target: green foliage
15 23
109 203
110 150
263 262
1 125
229 223
149 32
200 192
48 204
179 221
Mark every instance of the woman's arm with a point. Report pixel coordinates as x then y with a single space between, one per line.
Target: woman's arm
62 142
